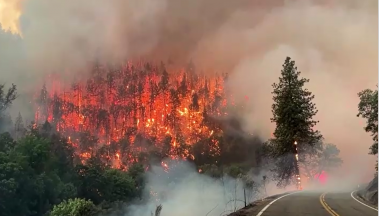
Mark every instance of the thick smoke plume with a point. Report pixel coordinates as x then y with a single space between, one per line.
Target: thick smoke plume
335 44
184 191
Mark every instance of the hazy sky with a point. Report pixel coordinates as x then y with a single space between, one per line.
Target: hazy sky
334 42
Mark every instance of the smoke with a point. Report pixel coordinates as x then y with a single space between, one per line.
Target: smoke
184 191
335 45
328 46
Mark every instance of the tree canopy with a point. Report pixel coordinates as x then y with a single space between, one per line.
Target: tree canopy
293 112
39 171
45 170
7 96
6 99
368 108
75 207
326 159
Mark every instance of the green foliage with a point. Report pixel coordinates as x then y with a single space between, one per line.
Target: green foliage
99 183
136 171
12 177
29 176
90 180
292 111
6 142
330 157
75 207
7 97
211 170
233 171
326 159
369 109
35 151
39 171
119 186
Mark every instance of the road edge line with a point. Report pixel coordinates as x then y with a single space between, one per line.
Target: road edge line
269 204
326 206
362 202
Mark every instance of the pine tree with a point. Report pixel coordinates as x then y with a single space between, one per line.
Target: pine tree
7 97
6 100
292 111
19 127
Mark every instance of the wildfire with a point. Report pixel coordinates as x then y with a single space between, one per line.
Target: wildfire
140 103
10 12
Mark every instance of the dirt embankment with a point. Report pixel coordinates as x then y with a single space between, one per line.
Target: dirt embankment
371 192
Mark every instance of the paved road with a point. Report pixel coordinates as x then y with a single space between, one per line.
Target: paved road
307 203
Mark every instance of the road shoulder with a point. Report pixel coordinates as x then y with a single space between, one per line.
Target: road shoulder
254 208
358 195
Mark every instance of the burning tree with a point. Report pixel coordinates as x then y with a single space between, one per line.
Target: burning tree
292 111
136 110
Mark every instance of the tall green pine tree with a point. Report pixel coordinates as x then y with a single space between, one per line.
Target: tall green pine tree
293 111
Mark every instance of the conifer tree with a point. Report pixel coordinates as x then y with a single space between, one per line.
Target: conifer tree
19 127
293 112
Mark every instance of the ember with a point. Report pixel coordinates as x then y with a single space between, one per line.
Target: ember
135 105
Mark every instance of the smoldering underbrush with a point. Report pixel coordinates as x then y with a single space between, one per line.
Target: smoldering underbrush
182 189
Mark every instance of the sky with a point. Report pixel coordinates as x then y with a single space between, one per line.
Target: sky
334 44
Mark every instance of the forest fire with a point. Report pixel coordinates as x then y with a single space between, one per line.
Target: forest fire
135 109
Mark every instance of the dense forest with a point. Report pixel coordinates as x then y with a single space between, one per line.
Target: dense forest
92 144
141 112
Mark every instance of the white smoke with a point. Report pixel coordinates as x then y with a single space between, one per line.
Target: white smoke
184 191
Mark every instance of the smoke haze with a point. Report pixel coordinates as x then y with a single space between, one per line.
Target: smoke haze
184 191
335 45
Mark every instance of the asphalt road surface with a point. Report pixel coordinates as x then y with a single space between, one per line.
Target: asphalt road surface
306 203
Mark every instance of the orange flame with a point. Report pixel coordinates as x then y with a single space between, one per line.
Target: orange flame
135 100
10 12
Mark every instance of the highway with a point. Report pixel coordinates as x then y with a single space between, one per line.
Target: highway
306 203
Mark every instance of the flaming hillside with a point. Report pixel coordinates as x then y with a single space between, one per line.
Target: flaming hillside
140 107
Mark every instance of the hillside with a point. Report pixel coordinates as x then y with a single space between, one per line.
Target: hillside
370 193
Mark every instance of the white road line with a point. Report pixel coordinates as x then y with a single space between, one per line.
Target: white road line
265 208
362 202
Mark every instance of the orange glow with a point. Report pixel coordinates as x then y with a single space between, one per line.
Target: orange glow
165 166
132 100
10 12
